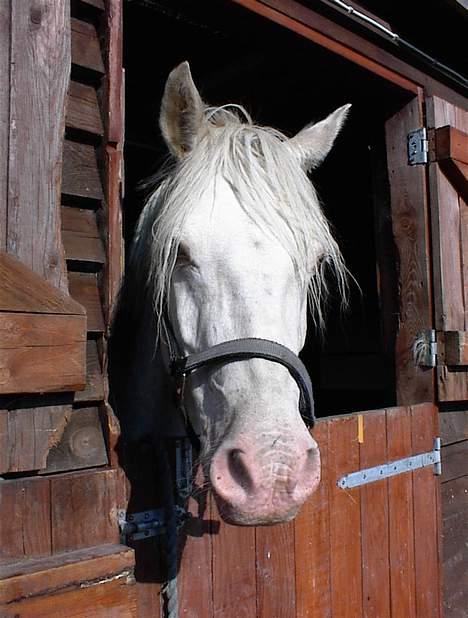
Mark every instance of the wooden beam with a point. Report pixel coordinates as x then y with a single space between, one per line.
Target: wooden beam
85 48
456 348
83 109
449 147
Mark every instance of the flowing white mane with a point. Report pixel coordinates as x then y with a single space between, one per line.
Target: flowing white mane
266 175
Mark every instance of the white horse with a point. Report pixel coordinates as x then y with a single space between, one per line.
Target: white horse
231 244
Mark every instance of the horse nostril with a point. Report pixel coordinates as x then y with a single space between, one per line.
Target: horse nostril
239 470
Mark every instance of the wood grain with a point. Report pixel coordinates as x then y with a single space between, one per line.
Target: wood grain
84 289
312 544
24 291
401 517
80 171
453 426
40 56
83 109
85 48
374 520
94 389
5 43
410 227
455 461
345 540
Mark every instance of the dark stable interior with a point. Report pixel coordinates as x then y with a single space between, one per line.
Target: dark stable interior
286 82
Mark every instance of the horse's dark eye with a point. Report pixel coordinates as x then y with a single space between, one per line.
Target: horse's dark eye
183 255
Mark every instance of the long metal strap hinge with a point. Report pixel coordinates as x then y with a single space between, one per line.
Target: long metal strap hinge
408 464
418 147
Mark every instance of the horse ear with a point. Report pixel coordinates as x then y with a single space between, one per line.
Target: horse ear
315 141
181 113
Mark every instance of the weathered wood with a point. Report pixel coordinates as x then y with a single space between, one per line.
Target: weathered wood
80 221
80 248
85 48
344 506
374 520
342 41
276 594
311 540
25 523
83 109
80 171
450 240
40 61
455 548
410 226
81 445
5 40
83 509
425 486
401 522
453 426
27 435
94 389
24 291
98 4
84 289
41 353
454 461
451 143
21 579
456 348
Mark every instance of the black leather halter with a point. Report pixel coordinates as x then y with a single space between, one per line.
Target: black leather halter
237 350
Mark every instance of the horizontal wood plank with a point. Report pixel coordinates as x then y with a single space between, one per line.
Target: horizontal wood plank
85 47
80 171
80 221
79 248
451 143
456 348
27 435
94 389
84 288
453 426
82 443
25 330
22 290
454 461
83 111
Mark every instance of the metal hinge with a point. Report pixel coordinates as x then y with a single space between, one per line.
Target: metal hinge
145 524
418 147
408 464
425 349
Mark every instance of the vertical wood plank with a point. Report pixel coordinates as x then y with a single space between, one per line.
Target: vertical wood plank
374 520
401 531
411 229
25 520
345 519
276 594
426 533
312 543
40 65
234 585
5 40
195 581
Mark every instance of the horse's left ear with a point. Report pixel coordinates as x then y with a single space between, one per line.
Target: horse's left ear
315 141
181 113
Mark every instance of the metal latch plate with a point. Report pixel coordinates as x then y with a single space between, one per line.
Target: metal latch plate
408 464
136 526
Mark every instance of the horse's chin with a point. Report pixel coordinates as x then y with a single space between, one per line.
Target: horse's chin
237 517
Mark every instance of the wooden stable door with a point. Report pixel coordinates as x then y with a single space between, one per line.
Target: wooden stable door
371 550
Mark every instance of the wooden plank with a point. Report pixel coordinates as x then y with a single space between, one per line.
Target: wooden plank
401 522
83 509
28 435
85 47
24 291
426 533
5 41
40 56
94 389
451 143
33 576
195 581
276 594
80 171
114 597
83 249
81 445
84 289
234 586
456 348
455 548
80 221
374 520
453 426
454 461
345 540
25 524
98 4
311 542
83 111
410 227
342 41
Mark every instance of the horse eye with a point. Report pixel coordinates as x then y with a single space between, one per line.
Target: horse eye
183 256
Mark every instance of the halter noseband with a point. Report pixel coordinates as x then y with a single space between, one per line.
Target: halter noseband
237 350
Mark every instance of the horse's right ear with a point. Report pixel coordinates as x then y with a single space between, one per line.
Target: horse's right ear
181 113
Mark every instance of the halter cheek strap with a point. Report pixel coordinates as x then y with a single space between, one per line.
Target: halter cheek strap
239 350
